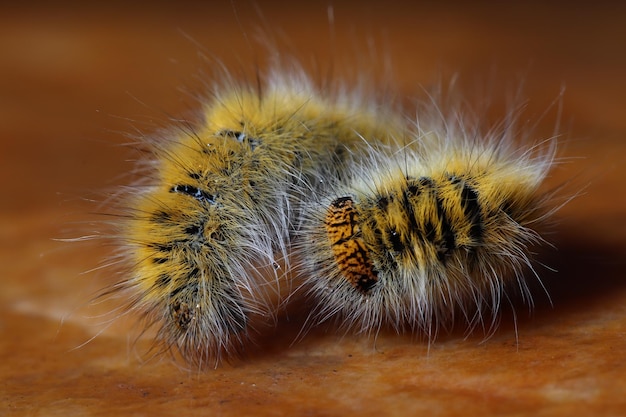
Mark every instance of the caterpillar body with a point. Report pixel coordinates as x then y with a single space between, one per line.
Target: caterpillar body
221 206
434 231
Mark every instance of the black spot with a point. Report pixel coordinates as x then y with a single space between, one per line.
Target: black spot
162 281
339 153
241 138
233 134
413 190
194 175
177 291
382 203
194 192
161 247
193 230
425 182
194 274
159 261
161 217
395 239
365 283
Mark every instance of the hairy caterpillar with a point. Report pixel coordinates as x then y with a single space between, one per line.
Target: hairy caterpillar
202 238
432 231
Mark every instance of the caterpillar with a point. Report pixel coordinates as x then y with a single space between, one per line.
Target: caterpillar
207 230
428 234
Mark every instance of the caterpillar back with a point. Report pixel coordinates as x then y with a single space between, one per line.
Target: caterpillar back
438 229
205 238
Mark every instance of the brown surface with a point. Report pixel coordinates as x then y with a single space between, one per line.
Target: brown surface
71 78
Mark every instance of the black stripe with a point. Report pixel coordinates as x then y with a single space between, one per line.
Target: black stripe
160 217
471 208
448 239
161 247
162 281
190 286
177 290
445 242
414 189
411 191
379 243
194 192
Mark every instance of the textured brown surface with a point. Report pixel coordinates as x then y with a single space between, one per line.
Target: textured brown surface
73 78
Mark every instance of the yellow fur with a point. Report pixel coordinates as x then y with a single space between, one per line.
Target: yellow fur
222 207
440 228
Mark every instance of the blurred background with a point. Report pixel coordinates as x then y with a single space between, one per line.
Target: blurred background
77 79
